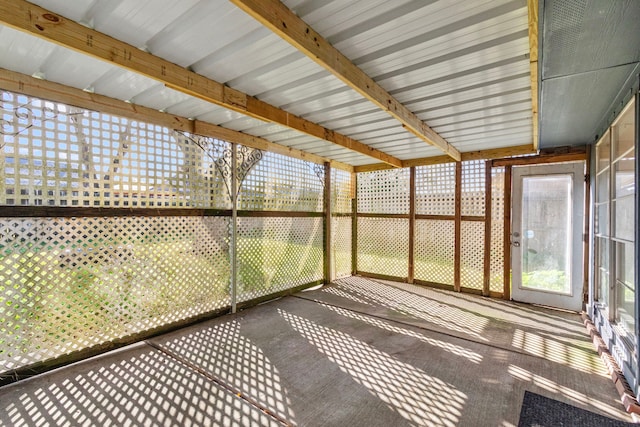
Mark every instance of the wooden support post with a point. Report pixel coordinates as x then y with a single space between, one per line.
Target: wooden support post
486 285
532 7
233 245
507 233
412 222
354 225
458 229
328 258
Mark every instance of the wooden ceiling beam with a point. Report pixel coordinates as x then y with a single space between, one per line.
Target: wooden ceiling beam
493 153
277 17
37 21
27 85
551 155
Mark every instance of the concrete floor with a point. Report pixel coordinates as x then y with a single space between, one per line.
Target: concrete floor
358 353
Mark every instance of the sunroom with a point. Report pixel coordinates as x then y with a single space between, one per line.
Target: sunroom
310 212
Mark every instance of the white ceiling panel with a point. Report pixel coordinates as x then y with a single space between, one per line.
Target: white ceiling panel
219 115
264 129
501 141
135 22
461 65
272 74
489 130
470 114
363 119
494 139
159 97
122 84
487 64
196 33
74 69
465 42
460 94
487 121
75 9
192 108
222 63
356 129
22 53
242 123
459 109
434 23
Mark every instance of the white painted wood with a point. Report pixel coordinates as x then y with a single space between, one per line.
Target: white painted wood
574 214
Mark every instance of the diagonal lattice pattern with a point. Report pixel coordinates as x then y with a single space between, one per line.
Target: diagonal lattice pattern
341 191
72 283
497 230
472 254
383 246
276 254
434 251
341 246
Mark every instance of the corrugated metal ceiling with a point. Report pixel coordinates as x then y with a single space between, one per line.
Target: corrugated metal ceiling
461 66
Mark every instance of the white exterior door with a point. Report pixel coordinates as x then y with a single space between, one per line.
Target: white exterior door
546 235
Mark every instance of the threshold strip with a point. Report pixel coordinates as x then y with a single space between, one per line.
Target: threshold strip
424 328
219 382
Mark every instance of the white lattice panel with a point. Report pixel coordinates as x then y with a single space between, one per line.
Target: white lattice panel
385 191
341 191
56 155
497 230
71 283
473 188
472 254
436 189
434 251
383 246
275 254
341 246
281 183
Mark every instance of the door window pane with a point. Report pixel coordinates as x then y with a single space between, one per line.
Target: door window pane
546 228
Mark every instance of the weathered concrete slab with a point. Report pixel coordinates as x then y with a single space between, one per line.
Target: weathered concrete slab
377 355
325 365
135 386
552 334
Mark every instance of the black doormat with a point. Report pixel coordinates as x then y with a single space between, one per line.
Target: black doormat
540 411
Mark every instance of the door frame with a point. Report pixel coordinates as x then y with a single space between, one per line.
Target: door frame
573 301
